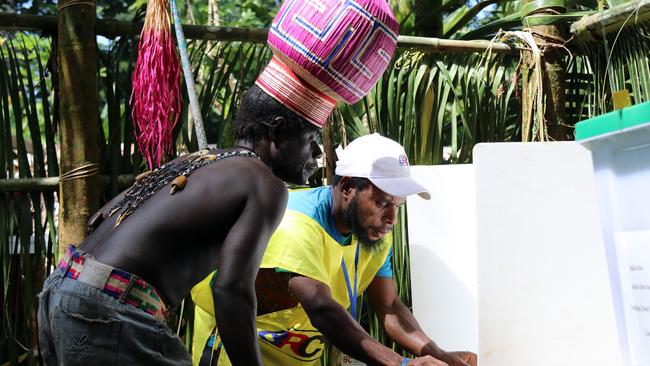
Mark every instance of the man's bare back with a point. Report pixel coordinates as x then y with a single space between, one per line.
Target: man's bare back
174 241
221 219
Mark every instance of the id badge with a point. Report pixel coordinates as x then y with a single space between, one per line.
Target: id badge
349 361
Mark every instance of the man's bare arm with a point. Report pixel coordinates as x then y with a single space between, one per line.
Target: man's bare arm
331 319
239 260
403 328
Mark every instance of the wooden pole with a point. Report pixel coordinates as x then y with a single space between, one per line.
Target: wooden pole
590 27
79 118
550 39
50 184
113 28
595 27
425 44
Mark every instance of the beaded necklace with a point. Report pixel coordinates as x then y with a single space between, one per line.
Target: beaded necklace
175 171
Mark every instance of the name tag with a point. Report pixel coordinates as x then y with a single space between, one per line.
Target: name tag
349 361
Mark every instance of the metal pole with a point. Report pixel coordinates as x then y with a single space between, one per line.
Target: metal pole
189 79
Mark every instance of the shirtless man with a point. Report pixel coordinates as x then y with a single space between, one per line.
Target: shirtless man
222 215
106 303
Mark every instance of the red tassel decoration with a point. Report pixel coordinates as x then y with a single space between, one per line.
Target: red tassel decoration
155 95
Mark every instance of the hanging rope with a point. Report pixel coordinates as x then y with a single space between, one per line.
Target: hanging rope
189 78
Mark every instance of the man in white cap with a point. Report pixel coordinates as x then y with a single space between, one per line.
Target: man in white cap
332 245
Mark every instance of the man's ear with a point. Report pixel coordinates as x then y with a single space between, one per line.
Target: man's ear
277 129
346 187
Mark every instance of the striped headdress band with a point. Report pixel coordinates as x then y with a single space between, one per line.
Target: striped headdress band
278 81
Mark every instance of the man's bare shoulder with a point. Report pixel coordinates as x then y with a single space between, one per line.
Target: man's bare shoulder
249 172
250 178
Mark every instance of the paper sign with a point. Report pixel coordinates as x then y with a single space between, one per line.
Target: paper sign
633 254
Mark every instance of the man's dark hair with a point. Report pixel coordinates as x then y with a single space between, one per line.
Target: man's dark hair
357 182
256 113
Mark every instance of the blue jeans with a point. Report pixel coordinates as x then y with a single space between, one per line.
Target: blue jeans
80 325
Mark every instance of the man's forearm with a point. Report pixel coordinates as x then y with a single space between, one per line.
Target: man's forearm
336 324
235 315
349 337
401 326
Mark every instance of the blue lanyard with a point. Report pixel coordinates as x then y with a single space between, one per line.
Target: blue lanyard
352 294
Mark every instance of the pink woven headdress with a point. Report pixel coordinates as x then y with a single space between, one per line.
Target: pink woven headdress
336 49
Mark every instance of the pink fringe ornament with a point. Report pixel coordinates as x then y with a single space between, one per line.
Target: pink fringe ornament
155 95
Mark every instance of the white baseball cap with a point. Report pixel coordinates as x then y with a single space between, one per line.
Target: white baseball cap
381 160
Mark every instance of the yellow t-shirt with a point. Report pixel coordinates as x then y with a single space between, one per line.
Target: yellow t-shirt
300 245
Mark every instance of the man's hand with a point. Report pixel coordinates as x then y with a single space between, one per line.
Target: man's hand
426 361
461 359
402 327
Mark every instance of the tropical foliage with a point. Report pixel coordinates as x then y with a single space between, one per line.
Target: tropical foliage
438 105
27 217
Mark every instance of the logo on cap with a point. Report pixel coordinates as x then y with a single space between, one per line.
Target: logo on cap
403 160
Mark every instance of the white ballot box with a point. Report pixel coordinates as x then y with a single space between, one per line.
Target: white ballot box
620 147
539 253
